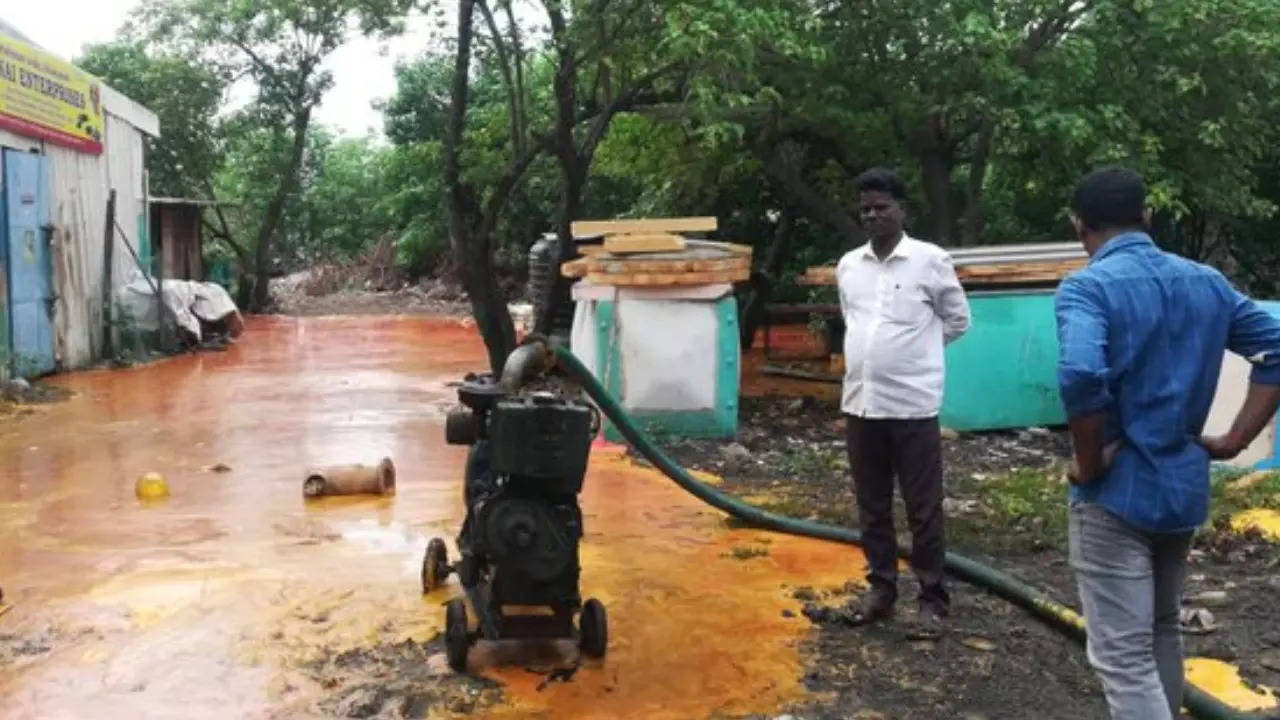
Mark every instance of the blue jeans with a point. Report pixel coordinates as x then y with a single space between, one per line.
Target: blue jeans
1130 585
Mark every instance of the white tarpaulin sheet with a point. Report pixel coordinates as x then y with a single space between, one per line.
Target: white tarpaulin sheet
664 339
189 302
668 353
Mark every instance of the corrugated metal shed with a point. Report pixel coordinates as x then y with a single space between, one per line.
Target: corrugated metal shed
79 186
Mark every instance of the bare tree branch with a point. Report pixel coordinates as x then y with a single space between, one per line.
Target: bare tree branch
508 81
518 62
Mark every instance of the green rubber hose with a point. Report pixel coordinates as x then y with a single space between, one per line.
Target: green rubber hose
1201 704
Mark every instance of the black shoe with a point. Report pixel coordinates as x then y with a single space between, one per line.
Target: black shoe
875 607
930 624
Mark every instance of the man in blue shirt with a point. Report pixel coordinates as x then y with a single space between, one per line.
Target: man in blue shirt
1142 334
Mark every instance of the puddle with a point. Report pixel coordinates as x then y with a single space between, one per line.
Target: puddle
237 598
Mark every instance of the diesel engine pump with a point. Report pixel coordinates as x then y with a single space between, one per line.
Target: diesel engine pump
518 544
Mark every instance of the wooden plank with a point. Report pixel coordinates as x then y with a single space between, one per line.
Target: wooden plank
998 273
818 276
658 279
586 228
574 268
1013 270
643 243
590 250
613 266
738 249
700 249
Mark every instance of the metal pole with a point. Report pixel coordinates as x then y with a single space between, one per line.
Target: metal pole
108 235
162 315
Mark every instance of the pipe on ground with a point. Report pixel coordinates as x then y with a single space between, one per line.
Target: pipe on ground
377 479
1201 704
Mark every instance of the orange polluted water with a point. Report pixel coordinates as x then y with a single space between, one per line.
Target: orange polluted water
211 603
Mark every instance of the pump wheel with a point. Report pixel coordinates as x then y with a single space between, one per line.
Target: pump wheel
456 638
593 629
435 565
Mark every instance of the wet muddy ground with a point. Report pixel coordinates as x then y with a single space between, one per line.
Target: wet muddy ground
1005 506
236 598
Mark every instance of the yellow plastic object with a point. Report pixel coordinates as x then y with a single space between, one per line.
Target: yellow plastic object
1265 520
151 486
1223 681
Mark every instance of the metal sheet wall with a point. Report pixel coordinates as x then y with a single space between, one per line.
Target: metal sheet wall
78 188
79 185
1003 372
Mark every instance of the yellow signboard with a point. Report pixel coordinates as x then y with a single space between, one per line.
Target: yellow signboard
47 98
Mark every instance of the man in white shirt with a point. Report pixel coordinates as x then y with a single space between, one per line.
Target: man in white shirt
901 304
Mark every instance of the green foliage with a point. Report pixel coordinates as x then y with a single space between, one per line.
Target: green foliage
252 156
419 110
1185 90
280 46
1237 491
415 205
345 206
186 97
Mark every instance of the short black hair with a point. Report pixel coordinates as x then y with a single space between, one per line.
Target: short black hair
1110 198
882 180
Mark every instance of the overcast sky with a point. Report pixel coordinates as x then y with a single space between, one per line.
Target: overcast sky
362 68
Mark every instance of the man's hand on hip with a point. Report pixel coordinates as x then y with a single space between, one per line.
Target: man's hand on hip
1093 471
1222 447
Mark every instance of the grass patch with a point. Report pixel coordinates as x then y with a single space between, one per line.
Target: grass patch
817 461
1232 492
1020 511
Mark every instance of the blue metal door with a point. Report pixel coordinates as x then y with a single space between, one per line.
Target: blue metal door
30 272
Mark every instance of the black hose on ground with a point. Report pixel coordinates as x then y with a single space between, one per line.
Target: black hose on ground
1201 704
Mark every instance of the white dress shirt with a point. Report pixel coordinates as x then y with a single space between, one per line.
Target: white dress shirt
899 313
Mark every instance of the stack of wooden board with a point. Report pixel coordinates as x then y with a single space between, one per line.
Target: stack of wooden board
654 253
1043 265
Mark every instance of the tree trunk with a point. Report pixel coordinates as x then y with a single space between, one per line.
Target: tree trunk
488 306
935 167
275 208
508 78
470 237
564 85
573 165
762 281
975 195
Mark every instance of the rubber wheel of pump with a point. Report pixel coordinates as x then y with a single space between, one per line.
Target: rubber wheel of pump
435 565
593 629
456 642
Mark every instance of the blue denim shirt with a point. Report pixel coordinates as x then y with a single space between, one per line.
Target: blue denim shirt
1141 336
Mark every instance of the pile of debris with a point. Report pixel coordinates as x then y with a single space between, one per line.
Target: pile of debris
654 253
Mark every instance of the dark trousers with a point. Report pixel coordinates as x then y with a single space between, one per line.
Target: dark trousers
911 450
